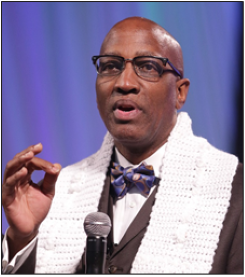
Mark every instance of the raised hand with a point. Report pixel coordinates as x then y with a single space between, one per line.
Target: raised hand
26 204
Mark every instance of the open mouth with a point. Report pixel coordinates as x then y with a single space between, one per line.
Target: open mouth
125 110
125 105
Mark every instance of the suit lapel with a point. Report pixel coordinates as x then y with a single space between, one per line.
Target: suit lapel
140 222
106 206
104 199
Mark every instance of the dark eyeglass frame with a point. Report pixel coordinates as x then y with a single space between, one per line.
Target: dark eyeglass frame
164 60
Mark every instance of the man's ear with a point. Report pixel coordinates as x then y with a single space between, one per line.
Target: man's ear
182 91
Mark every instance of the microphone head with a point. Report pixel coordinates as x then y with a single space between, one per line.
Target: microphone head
97 224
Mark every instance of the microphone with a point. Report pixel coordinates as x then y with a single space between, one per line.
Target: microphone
97 226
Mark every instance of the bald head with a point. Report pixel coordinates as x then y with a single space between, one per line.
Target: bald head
165 41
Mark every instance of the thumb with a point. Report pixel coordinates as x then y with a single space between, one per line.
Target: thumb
49 180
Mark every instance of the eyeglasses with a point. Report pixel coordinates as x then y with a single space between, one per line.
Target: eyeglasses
149 68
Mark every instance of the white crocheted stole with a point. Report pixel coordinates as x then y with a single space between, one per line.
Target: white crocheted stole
191 203
186 219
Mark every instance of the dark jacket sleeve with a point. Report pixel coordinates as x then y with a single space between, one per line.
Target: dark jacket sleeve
229 254
235 261
28 267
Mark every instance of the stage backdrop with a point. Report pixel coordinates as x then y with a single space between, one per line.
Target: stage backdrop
48 80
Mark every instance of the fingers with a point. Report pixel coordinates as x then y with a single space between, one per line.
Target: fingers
40 164
23 175
8 188
37 148
48 184
18 171
20 159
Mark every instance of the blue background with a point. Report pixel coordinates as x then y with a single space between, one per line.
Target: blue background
48 80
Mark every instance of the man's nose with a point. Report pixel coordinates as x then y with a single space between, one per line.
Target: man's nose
127 81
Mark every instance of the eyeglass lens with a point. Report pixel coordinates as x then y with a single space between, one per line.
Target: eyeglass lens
148 67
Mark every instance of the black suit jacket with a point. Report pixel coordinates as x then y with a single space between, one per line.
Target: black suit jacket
229 254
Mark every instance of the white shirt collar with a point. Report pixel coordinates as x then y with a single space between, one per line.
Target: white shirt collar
155 159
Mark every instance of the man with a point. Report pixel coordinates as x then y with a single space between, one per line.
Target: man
188 221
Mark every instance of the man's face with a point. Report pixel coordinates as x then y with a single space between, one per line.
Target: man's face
135 111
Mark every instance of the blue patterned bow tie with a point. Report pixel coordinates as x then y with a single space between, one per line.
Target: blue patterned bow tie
123 179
